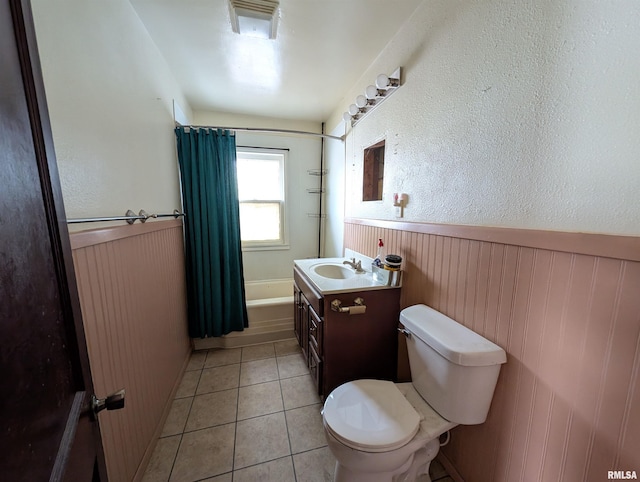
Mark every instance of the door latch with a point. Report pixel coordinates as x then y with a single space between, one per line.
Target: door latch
115 401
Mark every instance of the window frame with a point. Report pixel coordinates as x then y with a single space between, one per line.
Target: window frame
268 154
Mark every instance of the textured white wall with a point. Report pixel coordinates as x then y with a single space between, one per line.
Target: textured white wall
520 114
110 96
303 155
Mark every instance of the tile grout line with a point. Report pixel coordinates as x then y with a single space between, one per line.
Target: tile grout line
175 457
286 426
235 423
235 439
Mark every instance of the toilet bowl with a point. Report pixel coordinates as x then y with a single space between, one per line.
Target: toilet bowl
380 431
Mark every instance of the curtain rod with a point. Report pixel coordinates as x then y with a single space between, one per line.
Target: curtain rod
265 131
129 217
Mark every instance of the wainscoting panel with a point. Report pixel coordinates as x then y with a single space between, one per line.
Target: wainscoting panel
567 404
132 293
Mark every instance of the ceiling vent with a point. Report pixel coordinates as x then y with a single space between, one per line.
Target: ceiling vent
254 18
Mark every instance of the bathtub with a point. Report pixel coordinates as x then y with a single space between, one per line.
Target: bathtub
269 301
270 312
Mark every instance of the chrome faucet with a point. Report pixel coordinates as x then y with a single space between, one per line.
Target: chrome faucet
357 266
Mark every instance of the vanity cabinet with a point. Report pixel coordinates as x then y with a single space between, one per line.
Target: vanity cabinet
341 347
300 304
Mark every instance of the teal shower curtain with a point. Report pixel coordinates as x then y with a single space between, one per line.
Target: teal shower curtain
215 282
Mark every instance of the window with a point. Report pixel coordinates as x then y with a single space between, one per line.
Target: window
261 195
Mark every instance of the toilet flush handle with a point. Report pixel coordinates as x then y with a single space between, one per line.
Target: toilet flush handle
405 332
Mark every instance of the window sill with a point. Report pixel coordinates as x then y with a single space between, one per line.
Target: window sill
275 247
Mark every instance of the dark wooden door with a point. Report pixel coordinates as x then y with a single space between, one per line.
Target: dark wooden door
47 430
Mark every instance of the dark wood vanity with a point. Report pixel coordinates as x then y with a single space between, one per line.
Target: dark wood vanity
340 347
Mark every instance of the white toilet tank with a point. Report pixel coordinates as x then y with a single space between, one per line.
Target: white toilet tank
453 368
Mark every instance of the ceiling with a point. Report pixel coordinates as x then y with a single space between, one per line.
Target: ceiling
321 49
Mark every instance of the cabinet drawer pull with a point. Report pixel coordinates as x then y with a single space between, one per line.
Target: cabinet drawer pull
358 308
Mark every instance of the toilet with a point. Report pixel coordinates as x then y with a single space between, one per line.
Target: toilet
380 431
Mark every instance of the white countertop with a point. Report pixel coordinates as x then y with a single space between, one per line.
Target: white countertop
358 282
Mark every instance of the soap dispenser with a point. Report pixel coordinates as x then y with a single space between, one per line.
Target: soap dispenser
379 259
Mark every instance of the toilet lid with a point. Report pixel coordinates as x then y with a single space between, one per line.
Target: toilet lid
370 415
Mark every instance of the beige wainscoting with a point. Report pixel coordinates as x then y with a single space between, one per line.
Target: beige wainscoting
132 292
566 308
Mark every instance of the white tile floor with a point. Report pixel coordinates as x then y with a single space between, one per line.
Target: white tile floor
246 414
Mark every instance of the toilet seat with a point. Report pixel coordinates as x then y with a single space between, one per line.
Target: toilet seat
370 416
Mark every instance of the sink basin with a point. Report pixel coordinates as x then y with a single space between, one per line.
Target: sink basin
332 276
333 271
